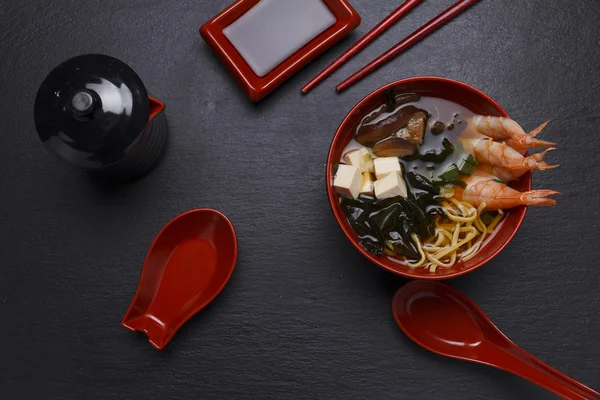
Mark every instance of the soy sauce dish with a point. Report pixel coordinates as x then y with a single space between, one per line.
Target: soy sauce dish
403 172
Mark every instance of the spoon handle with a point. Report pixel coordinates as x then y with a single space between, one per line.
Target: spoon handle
521 363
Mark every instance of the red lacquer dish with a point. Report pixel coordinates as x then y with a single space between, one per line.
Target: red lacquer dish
188 264
255 79
454 91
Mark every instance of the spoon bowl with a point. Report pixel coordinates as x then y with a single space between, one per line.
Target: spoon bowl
188 264
445 321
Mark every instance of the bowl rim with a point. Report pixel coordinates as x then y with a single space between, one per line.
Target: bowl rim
349 234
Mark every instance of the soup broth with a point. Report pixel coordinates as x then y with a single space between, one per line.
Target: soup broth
440 111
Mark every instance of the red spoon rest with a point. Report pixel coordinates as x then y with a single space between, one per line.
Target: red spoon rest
188 264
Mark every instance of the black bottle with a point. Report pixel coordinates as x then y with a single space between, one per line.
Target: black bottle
94 112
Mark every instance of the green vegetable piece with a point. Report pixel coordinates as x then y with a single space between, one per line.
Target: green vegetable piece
450 174
471 160
466 164
465 168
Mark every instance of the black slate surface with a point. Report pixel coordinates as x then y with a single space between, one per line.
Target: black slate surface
304 315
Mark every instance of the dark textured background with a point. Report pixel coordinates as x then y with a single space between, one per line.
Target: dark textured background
304 315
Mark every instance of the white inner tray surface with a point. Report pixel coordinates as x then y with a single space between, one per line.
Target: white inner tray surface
273 30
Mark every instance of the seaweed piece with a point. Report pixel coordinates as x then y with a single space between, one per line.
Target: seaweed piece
418 214
435 210
427 227
384 220
422 222
372 245
379 204
420 182
439 155
356 210
357 213
402 246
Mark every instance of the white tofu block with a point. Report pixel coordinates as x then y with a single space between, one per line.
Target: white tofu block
368 165
386 165
360 158
367 184
353 158
348 181
391 185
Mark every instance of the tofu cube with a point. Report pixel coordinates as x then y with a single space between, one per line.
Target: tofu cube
352 158
348 181
367 184
361 159
386 165
391 185
368 165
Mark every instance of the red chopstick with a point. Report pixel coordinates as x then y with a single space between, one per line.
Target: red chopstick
381 27
410 40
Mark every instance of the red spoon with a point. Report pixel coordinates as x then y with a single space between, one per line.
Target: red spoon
188 264
445 321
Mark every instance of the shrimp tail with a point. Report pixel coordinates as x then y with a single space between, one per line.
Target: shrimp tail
533 143
539 129
542 165
538 197
540 156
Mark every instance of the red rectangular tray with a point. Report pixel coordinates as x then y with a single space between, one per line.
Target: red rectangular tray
257 87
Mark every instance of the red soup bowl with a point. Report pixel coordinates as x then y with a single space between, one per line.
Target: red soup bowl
457 92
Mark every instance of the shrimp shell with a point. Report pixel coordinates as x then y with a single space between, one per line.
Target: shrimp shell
507 175
499 128
497 154
483 188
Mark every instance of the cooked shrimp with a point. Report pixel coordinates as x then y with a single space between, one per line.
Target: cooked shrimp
515 144
506 174
487 151
499 128
484 188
